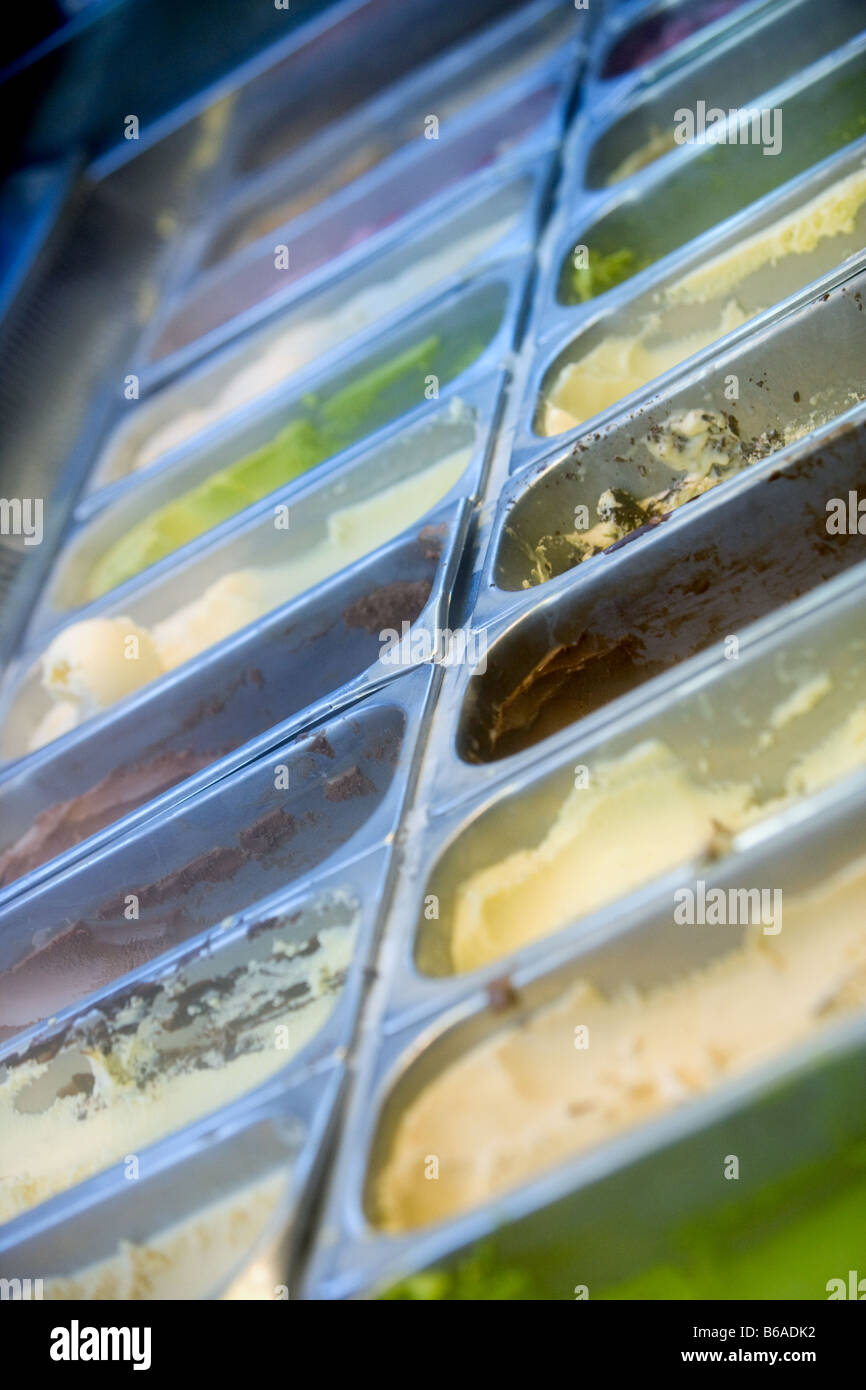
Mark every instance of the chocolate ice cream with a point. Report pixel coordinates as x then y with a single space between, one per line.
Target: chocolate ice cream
69 822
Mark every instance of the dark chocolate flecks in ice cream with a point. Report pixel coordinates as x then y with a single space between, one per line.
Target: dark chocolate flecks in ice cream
603 641
69 822
389 606
350 783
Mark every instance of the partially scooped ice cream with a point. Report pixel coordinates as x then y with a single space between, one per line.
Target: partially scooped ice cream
92 664
132 1071
824 229
643 813
527 1098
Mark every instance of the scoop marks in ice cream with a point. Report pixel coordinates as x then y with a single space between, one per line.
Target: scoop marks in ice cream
165 1057
622 363
526 1098
91 664
641 815
329 425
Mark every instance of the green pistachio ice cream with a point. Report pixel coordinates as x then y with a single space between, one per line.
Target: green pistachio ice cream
330 424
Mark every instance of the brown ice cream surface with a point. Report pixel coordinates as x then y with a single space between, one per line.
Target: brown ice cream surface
126 788
348 784
89 954
389 606
568 683
656 621
122 791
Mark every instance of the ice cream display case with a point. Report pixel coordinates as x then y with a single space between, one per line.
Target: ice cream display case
432 729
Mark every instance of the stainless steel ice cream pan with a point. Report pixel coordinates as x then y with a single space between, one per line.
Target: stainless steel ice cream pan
638 43
319 415
644 949
747 60
281 984
73 324
704 575
237 620
236 1020
294 519
303 65
741 743
778 384
172 739
320 245
338 789
389 137
623 354
305 58
219 1210
605 94
735 571
497 222
346 144
452 90
309 657
288 97
599 1237
636 230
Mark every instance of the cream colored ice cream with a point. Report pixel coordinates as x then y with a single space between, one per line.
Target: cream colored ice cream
841 752
227 605
530 1097
297 345
826 229
99 661
621 364
188 1260
832 213
693 442
640 816
92 664
164 1061
57 721
658 143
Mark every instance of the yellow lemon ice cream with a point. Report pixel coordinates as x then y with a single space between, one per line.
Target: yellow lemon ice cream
620 365
99 661
829 214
